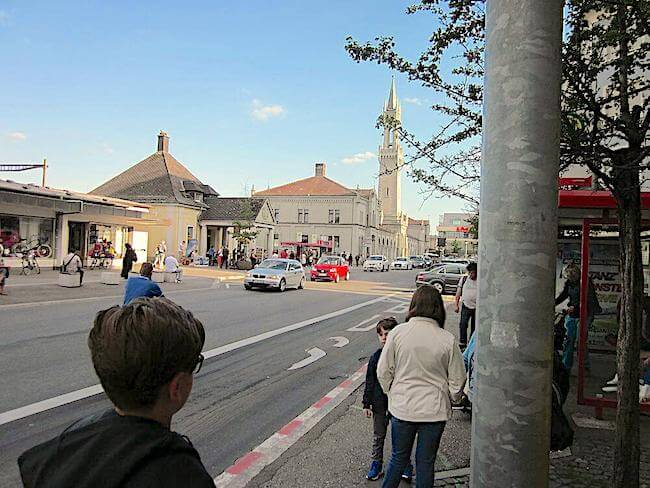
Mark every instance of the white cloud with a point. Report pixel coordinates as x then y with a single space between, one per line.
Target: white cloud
107 149
17 136
413 101
265 112
359 158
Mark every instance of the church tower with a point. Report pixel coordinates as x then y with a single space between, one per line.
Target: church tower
391 160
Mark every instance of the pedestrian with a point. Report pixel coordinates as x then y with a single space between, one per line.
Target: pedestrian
275 253
421 369
375 406
181 250
571 292
146 355
350 259
303 258
284 254
141 285
72 264
4 275
220 257
211 255
172 266
357 259
225 253
466 294
129 258
253 258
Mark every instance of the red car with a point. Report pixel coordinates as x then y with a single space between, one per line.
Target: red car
331 268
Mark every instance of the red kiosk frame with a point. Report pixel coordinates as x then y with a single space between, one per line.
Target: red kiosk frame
593 202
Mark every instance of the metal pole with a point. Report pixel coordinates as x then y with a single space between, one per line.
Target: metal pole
518 244
44 167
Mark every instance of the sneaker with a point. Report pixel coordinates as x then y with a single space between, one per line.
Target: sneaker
375 471
613 381
407 475
610 389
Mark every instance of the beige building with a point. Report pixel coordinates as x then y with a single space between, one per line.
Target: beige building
318 212
182 208
454 232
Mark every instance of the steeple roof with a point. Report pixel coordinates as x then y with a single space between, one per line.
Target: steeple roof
392 96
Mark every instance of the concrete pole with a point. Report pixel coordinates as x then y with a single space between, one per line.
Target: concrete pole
518 243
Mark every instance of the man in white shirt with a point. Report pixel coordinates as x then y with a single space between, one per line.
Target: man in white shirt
466 294
171 266
72 264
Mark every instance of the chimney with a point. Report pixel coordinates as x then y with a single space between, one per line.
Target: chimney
320 169
163 142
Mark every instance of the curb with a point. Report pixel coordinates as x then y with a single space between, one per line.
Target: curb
251 464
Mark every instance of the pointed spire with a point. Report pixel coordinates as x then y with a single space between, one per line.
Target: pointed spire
392 96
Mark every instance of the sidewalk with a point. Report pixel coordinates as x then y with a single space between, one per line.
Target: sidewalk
336 453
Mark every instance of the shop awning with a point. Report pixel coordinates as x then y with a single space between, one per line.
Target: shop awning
593 199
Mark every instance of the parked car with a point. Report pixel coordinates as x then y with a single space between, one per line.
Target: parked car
461 261
417 262
401 263
376 263
444 277
428 262
276 273
330 268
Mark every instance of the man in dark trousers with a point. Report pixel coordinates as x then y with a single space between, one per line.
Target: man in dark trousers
225 257
145 354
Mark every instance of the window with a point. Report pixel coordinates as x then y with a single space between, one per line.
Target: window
330 217
300 216
190 232
276 237
387 192
305 213
452 270
276 214
455 222
336 242
337 216
197 197
304 238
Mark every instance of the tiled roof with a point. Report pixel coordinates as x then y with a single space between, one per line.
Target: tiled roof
313 186
226 208
158 178
417 222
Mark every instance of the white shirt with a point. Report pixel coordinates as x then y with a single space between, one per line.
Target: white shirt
469 293
171 264
421 369
72 263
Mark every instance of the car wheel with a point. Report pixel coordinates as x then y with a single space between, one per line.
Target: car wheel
439 286
336 278
302 284
283 285
347 276
247 286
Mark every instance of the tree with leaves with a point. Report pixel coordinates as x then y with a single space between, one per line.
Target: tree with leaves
244 226
605 122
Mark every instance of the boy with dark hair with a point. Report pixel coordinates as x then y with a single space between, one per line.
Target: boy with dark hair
141 286
145 355
375 406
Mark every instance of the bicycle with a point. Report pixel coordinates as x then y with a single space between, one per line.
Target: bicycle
41 249
30 264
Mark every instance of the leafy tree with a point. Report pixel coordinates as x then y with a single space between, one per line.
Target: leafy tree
244 232
455 247
605 123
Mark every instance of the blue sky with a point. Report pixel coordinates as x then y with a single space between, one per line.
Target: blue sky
251 93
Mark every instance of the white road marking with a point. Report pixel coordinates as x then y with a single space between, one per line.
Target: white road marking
58 401
315 354
360 326
340 341
400 308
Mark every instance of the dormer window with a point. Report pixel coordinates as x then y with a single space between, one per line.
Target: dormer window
197 197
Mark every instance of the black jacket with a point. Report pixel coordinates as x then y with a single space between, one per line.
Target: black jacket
109 450
572 292
373 396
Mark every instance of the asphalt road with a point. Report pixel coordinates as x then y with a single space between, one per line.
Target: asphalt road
239 398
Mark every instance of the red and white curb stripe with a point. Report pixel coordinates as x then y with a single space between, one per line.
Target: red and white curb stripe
250 465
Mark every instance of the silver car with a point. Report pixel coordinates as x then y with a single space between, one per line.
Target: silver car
276 273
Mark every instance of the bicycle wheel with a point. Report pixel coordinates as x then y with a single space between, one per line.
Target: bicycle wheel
44 251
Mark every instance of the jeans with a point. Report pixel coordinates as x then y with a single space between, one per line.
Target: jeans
571 326
379 429
466 314
403 435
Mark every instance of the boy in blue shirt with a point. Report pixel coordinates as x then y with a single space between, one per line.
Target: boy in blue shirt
141 286
375 406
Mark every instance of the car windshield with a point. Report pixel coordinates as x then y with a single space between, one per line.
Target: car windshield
375 258
272 264
328 260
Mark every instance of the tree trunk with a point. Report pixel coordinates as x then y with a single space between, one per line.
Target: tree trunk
627 453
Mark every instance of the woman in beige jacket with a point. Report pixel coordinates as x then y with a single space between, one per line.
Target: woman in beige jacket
421 369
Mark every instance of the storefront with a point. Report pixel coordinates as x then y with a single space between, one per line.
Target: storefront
58 221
